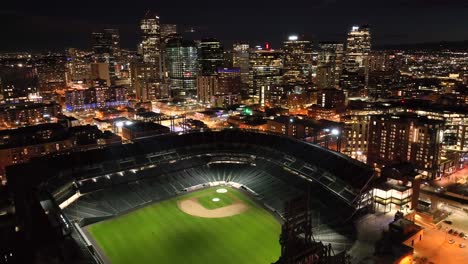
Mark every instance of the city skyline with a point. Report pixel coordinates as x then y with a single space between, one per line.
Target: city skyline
395 22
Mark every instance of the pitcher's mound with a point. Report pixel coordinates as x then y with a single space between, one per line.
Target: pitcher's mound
193 207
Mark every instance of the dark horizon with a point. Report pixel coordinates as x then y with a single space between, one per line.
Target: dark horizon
39 28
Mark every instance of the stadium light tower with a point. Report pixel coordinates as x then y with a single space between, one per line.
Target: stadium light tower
335 132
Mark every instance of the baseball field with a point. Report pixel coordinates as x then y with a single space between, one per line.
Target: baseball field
215 225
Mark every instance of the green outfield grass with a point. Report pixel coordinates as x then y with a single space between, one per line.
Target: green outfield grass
162 233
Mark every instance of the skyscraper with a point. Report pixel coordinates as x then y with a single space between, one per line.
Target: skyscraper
151 39
297 61
17 83
240 59
211 56
106 47
78 69
182 59
330 64
358 47
168 31
266 68
356 65
145 84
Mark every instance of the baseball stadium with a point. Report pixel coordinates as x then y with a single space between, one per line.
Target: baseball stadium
201 197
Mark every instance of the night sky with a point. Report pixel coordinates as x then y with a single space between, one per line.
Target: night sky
33 25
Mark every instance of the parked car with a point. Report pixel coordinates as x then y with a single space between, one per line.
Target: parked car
451 241
448 222
462 235
450 231
455 232
465 237
462 245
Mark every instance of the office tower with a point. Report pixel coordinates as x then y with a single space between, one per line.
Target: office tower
168 31
330 64
106 44
17 83
151 39
298 54
51 72
106 47
207 87
356 65
240 59
227 59
331 98
229 80
383 73
381 83
211 56
145 82
266 73
404 138
100 71
230 87
220 90
78 66
182 59
358 47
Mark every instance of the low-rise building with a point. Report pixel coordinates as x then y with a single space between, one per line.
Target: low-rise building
137 130
22 144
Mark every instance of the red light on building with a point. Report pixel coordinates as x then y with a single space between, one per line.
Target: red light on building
267 46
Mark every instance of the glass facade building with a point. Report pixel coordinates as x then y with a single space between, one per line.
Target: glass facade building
211 56
266 73
182 59
298 54
150 46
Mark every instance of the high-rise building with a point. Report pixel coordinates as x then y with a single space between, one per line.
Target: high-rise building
78 66
17 83
167 30
150 46
106 44
145 82
358 47
211 56
207 87
106 47
229 80
356 132
182 59
220 90
266 73
51 71
240 59
356 65
330 64
100 71
298 54
404 138
331 98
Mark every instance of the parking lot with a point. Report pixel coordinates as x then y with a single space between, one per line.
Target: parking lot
435 246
